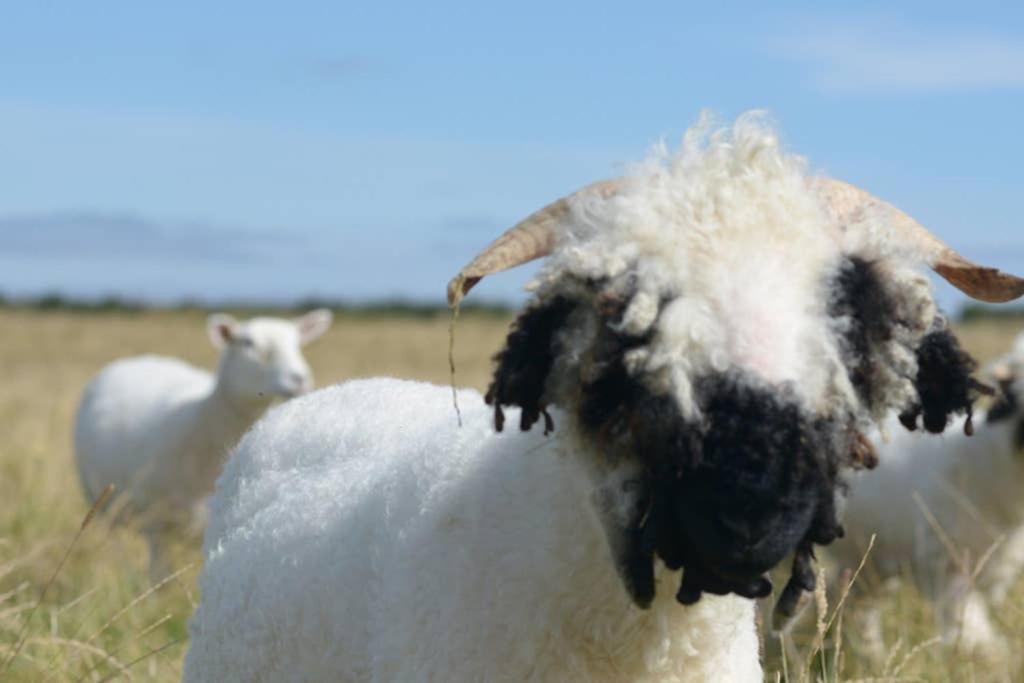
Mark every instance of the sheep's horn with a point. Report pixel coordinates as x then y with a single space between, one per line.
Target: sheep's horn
531 238
849 203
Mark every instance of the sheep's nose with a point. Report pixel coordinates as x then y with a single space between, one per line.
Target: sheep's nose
300 382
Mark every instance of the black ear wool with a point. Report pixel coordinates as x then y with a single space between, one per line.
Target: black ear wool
944 383
523 365
859 297
1006 405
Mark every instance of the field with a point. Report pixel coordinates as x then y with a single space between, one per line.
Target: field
91 614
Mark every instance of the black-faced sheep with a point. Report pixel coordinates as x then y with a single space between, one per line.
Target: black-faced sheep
684 391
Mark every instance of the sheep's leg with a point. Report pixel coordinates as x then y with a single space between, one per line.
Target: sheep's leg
869 625
1006 567
967 622
160 564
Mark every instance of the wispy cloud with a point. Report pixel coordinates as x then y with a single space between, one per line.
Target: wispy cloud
470 222
343 67
864 57
99 235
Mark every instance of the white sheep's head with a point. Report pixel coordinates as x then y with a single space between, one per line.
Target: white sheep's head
719 327
262 358
1008 372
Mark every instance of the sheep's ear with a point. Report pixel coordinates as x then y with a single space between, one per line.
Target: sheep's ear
522 367
1001 369
222 328
313 324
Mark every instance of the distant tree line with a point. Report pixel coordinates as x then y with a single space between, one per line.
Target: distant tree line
972 312
381 308
403 308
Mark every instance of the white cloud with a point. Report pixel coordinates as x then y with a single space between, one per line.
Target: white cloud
864 58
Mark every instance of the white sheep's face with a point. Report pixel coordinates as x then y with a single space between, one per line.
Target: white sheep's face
717 342
262 358
1008 373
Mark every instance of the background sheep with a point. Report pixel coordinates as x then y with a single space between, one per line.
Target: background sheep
939 505
159 429
702 347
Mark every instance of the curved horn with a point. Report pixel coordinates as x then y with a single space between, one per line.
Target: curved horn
848 203
525 241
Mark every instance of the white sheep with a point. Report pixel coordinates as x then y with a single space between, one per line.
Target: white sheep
939 505
703 345
159 429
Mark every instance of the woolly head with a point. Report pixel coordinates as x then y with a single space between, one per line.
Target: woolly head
1008 372
718 326
262 357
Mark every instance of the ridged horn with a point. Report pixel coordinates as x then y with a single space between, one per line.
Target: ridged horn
533 237
849 204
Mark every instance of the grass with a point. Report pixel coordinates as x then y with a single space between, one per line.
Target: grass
75 600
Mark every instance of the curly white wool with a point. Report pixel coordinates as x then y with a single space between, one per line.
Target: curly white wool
731 230
359 534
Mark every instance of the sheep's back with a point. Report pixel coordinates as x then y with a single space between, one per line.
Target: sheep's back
969 486
128 416
358 533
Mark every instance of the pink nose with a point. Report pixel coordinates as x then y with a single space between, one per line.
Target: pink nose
300 382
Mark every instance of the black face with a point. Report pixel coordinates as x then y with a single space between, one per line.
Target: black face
728 496
1007 407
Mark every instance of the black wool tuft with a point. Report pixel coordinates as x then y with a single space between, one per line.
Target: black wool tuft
1006 405
944 383
860 297
802 580
522 367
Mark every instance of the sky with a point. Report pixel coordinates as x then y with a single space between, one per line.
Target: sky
364 151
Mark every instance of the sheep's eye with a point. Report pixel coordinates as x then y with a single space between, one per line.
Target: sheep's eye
245 342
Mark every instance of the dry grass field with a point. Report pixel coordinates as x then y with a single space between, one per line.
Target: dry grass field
90 613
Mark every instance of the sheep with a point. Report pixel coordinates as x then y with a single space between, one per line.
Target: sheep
159 429
704 343
938 506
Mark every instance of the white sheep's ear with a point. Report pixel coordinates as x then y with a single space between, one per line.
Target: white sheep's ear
222 329
1001 369
1018 347
313 324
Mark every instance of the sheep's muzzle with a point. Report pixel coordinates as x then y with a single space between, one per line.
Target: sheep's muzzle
730 496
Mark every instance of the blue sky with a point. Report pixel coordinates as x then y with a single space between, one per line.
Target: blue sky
366 150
